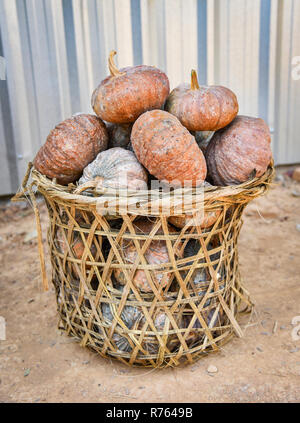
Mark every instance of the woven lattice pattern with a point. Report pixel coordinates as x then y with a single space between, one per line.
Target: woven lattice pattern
118 300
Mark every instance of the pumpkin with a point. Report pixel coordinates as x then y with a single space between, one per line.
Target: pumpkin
127 93
201 276
167 149
115 168
150 342
156 253
70 147
129 314
77 245
119 135
211 319
202 108
207 220
129 147
77 248
130 317
199 282
239 152
202 138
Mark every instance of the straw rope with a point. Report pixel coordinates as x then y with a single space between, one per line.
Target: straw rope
177 320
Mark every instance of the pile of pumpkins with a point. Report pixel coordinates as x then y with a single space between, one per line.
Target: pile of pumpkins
141 131
140 125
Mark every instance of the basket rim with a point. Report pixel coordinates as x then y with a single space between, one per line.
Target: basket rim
158 202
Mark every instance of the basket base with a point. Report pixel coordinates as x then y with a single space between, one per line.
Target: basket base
174 359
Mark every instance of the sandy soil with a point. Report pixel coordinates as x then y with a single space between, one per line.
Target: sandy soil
39 364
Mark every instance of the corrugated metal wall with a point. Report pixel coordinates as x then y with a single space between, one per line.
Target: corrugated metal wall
56 53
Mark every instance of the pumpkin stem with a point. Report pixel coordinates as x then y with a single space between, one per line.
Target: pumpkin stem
194 80
114 71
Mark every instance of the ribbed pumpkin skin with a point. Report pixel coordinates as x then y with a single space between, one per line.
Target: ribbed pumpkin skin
240 151
116 168
71 146
156 253
119 135
77 248
150 342
208 108
208 219
167 149
123 98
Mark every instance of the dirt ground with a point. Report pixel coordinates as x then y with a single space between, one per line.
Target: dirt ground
40 364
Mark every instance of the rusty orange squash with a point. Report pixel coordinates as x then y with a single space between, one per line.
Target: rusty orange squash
167 149
156 253
239 152
127 93
202 108
70 147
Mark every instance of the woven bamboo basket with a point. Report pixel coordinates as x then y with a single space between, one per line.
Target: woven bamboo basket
192 313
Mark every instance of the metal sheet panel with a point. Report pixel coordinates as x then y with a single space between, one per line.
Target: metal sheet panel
56 53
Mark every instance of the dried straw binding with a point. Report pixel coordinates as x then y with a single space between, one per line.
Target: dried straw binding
171 325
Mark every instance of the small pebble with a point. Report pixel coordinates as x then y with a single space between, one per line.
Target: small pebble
282 327
26 372
298 227
30 236
264 333
244 388
259 349
212 369
296 349
295 193
86 362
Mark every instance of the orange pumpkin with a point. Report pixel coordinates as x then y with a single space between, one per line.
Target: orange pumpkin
207 220
127 93
239 152
202 108
70 147
77 249
167 149
156 253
